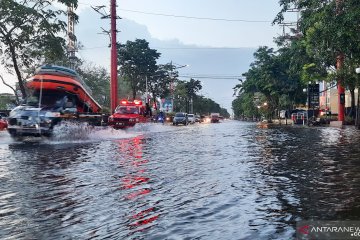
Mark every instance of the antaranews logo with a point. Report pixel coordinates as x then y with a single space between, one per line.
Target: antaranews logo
328 230
304 229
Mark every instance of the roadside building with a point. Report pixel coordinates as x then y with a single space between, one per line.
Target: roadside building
329 98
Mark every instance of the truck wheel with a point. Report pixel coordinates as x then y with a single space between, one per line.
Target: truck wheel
12 133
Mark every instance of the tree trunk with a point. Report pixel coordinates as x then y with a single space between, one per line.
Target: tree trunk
16 68
357 120
134 93
353 110
13 89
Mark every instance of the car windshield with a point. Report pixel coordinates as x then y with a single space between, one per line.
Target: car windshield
127 110
179 115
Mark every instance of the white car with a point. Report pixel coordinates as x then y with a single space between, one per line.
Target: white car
191 118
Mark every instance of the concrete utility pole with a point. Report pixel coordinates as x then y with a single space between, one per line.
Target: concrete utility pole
339 64
113 65
114 74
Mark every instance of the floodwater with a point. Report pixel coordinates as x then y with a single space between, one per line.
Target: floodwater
232 180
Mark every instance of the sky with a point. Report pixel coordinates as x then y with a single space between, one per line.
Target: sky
200 31
215 38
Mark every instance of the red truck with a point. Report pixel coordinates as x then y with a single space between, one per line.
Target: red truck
215 117
127 114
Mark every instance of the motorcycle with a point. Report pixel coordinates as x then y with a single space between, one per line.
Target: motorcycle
160 119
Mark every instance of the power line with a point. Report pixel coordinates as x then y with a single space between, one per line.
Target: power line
197 18
210 77
179 48
188 17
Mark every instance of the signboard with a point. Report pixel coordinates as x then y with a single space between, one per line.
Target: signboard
166 105
313 96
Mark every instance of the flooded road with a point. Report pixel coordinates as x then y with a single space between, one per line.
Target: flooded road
232 180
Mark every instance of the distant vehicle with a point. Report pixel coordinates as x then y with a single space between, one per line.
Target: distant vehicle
197 118
299 117
160 118
191 118
169 118
180 118
215 117
205 119
127 114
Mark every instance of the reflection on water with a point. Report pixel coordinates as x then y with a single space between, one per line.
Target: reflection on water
136 185
217 181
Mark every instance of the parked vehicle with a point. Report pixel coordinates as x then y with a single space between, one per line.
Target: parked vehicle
180 118
191 118
299 117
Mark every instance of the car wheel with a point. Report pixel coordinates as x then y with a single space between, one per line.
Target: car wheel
12 133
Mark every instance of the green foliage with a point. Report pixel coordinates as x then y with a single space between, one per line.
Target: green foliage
274 78
6 101
192 87
159 83
185 90
329 29
205 106
245 106
30 34
136 62
98 80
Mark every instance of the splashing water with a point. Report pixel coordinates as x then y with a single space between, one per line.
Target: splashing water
80 132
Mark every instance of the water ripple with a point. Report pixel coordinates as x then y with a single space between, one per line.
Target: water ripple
214 181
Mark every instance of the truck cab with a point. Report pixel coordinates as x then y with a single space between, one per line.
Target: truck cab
215 117
127 114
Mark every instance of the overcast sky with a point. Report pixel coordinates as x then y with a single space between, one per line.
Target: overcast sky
214 33
184 24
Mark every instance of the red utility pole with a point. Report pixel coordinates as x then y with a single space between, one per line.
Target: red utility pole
339 64
341 90
113 78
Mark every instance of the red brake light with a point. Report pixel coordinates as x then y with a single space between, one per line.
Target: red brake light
124 102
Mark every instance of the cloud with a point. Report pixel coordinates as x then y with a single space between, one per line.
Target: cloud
208 62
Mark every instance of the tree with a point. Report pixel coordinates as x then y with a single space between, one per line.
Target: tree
30 34
329 30
206 106
136 61
159 83
98 80
192 87
274 78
